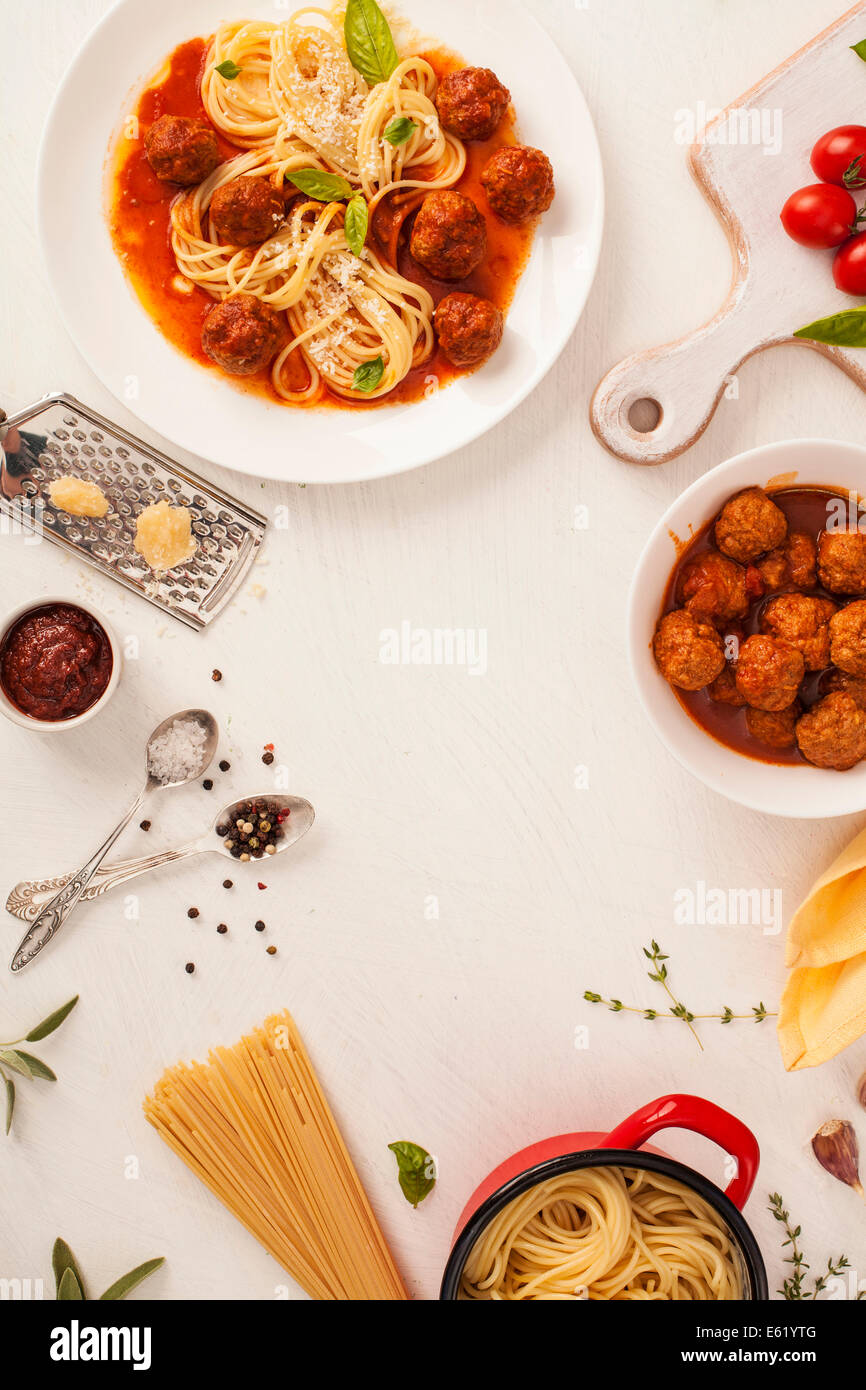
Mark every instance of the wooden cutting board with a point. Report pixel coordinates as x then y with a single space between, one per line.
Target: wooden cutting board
777 285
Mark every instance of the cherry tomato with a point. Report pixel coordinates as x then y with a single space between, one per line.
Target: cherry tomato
840 156
820 215
849 266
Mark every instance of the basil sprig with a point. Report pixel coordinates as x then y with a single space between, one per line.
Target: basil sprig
367 378
416 1170
324 187
845 329
357 222
400 130
228 69
369 42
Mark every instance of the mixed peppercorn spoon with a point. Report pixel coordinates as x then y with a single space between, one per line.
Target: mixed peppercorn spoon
27 898
179 750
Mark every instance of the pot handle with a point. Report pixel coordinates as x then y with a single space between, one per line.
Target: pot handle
701 1116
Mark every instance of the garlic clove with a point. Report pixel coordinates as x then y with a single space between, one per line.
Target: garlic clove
835 1147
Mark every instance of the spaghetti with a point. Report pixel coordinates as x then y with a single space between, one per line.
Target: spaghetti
605 1234
254 1125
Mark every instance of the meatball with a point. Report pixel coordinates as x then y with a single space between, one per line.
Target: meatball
518 181
181 149
833 732
802 621
245 211
469 328
769 673
724 688
750 524
848 638
449 237
713 587
471 103
776 728
689 653
842 561
852 685
795 564
242 334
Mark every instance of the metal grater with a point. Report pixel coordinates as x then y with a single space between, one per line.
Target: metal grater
58 435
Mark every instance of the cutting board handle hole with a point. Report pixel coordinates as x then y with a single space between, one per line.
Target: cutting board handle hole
645 415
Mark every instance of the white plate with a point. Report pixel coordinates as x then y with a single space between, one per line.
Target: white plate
798 791
183 400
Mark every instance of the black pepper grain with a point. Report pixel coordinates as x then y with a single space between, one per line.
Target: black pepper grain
222 928
260 926
144 825
189 967
227 883
207 784
267 759
225 765
216 675
192 912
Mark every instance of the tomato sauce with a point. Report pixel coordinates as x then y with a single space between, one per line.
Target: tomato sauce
55 662
139 220
806 509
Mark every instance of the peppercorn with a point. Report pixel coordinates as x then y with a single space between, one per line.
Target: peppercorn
245 859
193 912
271 950
222 928
189 967
144 825
224 765
227 883
207 784
216 675
260 926
261 885
267 759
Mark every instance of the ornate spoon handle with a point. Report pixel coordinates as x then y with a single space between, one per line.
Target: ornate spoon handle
28 897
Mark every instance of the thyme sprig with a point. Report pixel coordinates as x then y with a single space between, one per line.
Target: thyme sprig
794 1288
14 1059
659 976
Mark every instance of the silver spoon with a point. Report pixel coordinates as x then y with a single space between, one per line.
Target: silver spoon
28 897
57 909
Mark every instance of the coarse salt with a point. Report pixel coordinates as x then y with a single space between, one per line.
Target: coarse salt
177 755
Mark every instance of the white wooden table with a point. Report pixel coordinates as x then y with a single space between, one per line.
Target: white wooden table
436 791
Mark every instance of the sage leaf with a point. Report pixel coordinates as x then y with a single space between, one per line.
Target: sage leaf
860 49
416 1170
845 329
369 42
62 1262
15 1060
53 1021
368 375
228 69
70 1289
10 1101
357 222
37 1068
324 187
400 130
122 1286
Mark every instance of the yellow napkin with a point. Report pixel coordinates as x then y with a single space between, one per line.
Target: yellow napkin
823 1006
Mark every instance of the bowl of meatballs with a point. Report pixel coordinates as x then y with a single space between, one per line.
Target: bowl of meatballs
747 628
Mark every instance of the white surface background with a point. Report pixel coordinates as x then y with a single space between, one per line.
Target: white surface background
457 1033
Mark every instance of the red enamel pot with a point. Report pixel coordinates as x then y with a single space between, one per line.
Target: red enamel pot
624 1147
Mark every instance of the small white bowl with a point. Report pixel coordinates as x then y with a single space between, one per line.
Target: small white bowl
801 792
52 726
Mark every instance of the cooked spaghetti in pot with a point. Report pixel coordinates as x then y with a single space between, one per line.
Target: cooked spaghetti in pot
603 1234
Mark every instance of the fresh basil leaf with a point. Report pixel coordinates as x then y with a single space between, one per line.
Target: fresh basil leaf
16 1060
324 187
845 329
400 130
860 49
368 375
357 221
127 1282
10 1101
69 1289
53 1021
37 1068
416 1170
369 42
228 70
62 1262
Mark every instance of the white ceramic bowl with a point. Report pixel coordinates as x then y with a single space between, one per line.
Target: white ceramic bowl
801 791
54 726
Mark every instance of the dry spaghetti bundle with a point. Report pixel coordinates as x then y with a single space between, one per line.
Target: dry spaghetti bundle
254 1125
